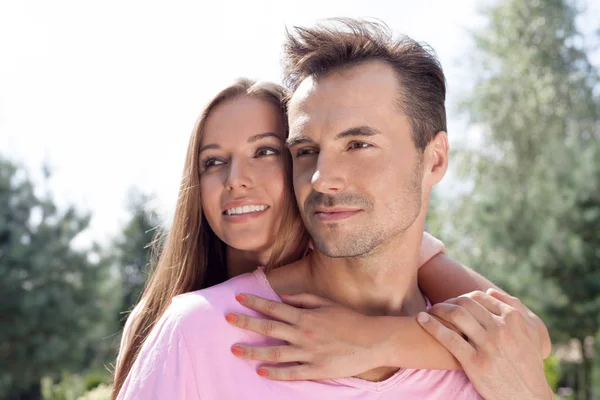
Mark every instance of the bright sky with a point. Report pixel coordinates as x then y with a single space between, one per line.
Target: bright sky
107 92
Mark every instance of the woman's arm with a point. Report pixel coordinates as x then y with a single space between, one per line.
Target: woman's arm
442 278
332 341
408 347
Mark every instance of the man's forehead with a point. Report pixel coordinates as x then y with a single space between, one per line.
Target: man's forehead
301 95
365 89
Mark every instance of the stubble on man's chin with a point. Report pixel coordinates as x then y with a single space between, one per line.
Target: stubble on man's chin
373 237
344 245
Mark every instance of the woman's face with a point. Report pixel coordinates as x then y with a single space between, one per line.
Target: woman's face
242 177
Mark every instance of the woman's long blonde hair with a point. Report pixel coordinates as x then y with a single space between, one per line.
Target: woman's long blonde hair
192 256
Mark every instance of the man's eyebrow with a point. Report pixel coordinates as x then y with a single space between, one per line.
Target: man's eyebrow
357 131
297 140
264 135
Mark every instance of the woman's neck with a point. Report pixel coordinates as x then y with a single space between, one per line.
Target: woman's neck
242 261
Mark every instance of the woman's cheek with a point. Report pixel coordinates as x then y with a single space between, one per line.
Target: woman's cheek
275 178
210 195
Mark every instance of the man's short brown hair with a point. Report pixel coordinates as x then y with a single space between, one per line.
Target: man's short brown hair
340 43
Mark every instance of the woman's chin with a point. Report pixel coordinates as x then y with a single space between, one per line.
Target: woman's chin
249 244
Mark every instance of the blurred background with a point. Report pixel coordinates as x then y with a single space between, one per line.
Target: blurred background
97 101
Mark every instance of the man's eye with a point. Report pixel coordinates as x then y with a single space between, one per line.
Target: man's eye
211 162
358 145
266 151
305 152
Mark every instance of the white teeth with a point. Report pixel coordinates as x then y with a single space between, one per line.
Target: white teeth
245 209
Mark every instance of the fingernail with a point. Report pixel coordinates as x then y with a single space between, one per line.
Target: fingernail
237 350
262 372
231 317
422 317
240 297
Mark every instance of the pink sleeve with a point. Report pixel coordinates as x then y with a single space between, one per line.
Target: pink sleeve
164 368
430 247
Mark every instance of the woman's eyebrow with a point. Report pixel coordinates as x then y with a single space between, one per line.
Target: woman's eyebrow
209 146
254 138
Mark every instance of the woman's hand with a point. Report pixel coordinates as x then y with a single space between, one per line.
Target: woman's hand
328 340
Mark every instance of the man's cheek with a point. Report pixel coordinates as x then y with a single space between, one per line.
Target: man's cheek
302 179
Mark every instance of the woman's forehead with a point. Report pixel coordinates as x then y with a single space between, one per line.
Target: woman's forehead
239 119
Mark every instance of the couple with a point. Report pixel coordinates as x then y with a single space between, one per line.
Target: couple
351 157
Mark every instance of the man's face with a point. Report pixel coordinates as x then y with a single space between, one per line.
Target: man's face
357 173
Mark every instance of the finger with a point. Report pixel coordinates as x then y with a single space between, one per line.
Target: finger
462 319
301 372
509 303
462 350
541 331
516 318
491 303
507 299
306 300
266 327
274 354
275 309
479 312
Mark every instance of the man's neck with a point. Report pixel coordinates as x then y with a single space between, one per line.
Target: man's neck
383 282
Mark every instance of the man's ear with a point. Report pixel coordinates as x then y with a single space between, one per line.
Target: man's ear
436 158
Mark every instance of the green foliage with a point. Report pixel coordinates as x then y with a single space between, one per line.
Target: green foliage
76 387
531 221
48 289
535 207
102 392
132 251
69 387
93 379
596 370
552 371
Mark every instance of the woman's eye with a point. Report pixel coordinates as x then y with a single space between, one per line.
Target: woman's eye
266 151
358 145
305 152
212 162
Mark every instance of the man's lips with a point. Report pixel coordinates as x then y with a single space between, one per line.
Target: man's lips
335 214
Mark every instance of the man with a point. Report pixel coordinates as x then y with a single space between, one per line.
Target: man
367 134
367 137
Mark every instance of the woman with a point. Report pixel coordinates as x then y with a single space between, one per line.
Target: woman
236 210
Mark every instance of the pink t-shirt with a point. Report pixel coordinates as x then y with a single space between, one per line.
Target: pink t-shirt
430 247
187 356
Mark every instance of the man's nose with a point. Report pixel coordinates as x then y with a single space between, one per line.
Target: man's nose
329 175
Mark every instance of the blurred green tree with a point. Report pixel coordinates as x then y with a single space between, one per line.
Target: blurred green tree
133 250
48 289
128 260
531 220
